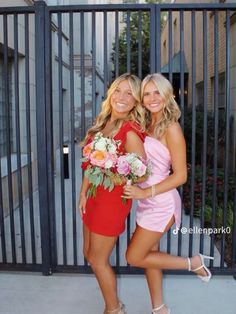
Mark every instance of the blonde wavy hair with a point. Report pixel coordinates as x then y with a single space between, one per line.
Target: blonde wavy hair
170 112
137 113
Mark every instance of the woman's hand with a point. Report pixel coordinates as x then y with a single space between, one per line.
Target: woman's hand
132 191
82 203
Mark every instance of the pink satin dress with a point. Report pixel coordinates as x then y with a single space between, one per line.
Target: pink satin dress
154 213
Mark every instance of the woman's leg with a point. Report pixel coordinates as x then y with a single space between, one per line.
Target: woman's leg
154 276
139 252
100 248
154 281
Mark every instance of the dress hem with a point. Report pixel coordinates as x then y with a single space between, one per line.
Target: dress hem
102 233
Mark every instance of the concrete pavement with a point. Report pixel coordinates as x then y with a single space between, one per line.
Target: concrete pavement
32 293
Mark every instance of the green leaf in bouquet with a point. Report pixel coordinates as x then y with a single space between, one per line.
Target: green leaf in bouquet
111 187
83 159
96 170
87 172
92 191
101 176
97 180
93 179
124 200
107 182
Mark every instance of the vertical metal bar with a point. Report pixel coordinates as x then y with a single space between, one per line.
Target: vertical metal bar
61 137
8 136
72 135
18 135
204 150
82 82
227 135
182 67
128 67
93 65
128 43
158 39
105 52
193 129
216 125
117 44
182 95
49 133
41 135
2 223
82 75
234 221
118 253
140 44
117 74
128 232
28 132
171 80
152 40
170 46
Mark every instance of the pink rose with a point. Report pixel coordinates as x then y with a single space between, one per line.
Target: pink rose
123 166
141 170
113 158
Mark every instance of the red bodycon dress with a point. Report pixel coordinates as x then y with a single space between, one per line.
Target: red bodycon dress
106 214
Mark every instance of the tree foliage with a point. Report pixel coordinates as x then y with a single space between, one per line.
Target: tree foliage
120 52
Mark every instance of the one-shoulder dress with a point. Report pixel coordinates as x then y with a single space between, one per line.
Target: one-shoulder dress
106 213
154 213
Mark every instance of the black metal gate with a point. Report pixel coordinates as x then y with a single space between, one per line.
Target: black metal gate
56 63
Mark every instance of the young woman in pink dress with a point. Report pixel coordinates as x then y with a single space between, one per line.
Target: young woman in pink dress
159 205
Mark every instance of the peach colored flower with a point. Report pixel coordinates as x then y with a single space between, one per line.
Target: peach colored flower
99 158
87 150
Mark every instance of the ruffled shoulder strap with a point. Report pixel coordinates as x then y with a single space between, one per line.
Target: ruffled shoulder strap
126 127
131 126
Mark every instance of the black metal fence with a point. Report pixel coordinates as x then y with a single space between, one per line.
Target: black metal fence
56 63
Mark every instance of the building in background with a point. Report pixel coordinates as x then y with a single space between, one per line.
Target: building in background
199 63
82 89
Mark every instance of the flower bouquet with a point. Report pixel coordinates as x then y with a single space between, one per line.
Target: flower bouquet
101 156
133 168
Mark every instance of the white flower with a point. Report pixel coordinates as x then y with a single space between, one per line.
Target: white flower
108 164
111 148
100 144
131 158
136 164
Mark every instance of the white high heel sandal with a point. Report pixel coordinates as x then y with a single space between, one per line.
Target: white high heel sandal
120 310
156 310
207 270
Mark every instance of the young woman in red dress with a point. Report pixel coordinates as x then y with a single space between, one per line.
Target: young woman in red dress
121 118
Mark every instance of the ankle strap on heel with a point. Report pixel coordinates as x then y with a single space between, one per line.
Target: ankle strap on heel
154 311
189 264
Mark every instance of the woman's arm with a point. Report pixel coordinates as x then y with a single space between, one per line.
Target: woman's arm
177 148
134 144
83 197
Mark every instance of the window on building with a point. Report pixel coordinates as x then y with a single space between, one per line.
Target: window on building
200 94
221 90
3 110
176 37
164 52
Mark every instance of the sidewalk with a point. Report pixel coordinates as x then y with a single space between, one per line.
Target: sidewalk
32 293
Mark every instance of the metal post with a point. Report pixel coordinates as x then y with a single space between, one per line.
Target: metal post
41 105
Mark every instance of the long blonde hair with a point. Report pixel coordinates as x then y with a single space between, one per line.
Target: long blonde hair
171 112
137 114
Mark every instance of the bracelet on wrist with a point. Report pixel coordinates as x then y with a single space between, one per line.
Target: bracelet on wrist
153 190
